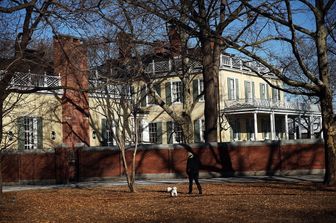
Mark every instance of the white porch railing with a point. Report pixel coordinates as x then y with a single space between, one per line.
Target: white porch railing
269 104
171 65
28 80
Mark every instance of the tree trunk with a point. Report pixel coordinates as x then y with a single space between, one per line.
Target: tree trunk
1 134
329 132
210 76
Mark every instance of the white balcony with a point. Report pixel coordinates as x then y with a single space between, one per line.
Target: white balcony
30 80
269 104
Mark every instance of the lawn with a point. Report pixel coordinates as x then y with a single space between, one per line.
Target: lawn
225 202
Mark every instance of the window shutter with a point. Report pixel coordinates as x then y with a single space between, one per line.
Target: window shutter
103 132
39 133
159 132
279 95
237 89
197 127
261 89
168 93
182 92
274 97
253 91
246 90
157 88
143 96
195 89
21 133
267 92
170 133
230 96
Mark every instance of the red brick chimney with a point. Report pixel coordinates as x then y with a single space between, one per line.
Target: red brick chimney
70 61
124 45
160 47
175 40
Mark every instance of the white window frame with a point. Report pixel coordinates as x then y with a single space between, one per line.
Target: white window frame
153 132
178 133
30 133
232 88
176 91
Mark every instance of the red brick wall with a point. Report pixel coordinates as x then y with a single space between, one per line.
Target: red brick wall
30 167
224 159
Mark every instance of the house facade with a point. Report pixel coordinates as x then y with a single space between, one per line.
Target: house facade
80 113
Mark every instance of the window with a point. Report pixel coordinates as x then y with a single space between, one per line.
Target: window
174 133
265 128
30 133
107 133
275 95
249 91
235 130
176 91
233 89
140 131
249 129
199 130
155 133
150 99
262 91
198 88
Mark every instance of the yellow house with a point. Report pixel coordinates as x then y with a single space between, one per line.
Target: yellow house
250 109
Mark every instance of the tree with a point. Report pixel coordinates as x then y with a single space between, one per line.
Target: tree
297 53
206 21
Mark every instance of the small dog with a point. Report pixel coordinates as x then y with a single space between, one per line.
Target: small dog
172 191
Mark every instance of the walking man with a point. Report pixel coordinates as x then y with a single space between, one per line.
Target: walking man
193 166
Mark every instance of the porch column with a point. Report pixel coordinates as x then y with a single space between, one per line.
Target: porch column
255 118
321 127
311 123
272 125
286 127
294 126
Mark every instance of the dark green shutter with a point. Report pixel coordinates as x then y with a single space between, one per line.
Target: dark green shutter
168 93
267 92
159 132
157 88
197 135
143 96
260 91
21 133
230 96
274 98
182 92
195 89
39 132
253 91
246 83
104 132
237 89
169 132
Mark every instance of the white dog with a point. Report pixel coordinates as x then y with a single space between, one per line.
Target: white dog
172 191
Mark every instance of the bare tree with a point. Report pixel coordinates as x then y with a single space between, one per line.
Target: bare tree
298 54
206 21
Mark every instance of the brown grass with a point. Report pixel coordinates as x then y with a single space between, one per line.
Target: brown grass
226 202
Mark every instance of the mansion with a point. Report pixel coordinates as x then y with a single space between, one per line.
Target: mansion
83 106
